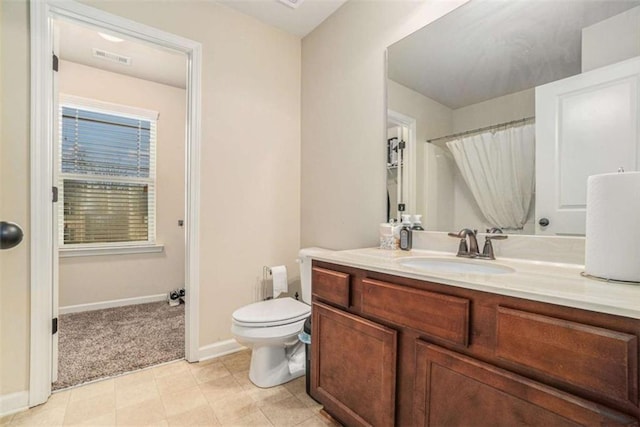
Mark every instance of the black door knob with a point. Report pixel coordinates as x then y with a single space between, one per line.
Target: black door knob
543 222
10 235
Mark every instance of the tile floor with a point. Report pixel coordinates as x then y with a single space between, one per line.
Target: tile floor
210 393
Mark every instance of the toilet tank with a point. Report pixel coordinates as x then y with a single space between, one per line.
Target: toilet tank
304 261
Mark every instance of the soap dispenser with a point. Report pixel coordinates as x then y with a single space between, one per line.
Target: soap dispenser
417 223
406 233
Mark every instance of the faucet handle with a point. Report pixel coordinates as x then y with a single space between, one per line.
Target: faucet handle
462 234
487 251
463 249
490 237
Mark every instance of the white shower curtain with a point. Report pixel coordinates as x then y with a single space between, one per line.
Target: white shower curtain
499 169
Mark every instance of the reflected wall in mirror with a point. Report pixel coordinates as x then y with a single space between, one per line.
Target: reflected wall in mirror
520 101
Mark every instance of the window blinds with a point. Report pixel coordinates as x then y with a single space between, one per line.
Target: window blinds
106 177
104 144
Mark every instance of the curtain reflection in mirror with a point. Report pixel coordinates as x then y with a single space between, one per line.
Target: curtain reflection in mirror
499 169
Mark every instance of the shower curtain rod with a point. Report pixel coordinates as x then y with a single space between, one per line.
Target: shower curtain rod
484 129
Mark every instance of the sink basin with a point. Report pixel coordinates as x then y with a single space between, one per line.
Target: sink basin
455 265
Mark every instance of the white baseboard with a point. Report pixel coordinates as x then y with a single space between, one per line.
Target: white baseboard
13 402
220 348
113 303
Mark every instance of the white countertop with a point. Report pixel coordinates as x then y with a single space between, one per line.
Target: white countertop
554 283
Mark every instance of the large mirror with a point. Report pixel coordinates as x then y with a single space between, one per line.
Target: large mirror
506 108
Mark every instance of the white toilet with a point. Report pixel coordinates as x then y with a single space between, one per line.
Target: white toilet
270 328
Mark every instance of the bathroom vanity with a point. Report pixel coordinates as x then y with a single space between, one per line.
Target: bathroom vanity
539 345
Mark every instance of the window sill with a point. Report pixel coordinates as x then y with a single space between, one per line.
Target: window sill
110 250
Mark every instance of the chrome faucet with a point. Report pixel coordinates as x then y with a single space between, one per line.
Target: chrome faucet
471 250
464 250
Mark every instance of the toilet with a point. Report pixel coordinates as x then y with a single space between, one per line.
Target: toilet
270 329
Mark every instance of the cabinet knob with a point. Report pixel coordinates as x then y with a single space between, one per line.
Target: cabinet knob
543 222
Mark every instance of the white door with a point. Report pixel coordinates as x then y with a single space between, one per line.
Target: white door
585 125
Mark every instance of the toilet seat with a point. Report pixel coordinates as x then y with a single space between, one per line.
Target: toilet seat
286 334
274 312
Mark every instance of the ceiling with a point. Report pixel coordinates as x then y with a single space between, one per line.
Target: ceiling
490 48
299 21
152 63
77 42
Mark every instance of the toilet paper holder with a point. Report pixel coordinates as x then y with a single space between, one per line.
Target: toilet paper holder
278 276
266 273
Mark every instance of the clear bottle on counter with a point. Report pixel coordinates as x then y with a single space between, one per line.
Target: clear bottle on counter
389 237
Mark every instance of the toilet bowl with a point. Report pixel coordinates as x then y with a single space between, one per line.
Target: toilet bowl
270 329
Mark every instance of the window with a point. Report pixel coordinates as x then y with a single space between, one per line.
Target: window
106 175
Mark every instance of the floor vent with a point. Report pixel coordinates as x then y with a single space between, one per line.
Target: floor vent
110 56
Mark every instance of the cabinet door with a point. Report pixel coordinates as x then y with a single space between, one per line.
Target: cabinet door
456 390
353 367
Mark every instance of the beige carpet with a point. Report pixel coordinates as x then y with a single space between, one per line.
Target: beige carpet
102 343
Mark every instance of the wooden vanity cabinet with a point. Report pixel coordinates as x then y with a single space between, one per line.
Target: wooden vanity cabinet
389 350
355 367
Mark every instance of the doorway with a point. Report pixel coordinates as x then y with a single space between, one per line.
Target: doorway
401 165
119 219
43 132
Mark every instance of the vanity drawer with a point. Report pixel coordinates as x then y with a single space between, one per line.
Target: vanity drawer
437 315
595 359
331 286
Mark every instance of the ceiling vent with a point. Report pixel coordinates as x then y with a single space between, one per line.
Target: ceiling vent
113 57
292 3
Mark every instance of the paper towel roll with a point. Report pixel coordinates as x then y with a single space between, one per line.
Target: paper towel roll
279 275
613 226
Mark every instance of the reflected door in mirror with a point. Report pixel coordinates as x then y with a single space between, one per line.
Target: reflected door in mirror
586 125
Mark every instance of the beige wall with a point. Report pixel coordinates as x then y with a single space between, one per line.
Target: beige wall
343 118
92 279
612 40
514 106
250 159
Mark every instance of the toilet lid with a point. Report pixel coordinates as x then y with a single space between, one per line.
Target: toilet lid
272 312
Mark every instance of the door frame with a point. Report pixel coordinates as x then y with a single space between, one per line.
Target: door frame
409 171
41 146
